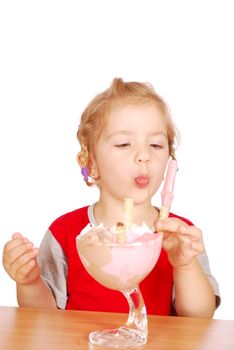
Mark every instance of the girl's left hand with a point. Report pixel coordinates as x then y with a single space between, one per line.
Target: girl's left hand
181 241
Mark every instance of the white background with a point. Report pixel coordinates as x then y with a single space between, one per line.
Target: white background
56 55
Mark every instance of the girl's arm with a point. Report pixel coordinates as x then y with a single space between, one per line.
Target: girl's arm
35 294
194 295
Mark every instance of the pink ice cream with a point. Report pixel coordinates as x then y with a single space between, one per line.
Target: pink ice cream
119 266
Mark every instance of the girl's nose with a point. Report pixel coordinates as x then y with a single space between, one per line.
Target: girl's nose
143 157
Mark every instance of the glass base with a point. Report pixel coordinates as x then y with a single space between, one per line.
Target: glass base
122 337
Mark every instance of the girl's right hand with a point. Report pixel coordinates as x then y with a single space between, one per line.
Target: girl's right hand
19 260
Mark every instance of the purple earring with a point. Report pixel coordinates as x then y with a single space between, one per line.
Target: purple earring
85 173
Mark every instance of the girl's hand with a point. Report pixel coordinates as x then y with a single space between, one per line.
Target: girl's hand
181 241
19 260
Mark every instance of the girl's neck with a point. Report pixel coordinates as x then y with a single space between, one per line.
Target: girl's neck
112 212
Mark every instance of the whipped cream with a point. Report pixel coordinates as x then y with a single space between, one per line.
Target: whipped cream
102 234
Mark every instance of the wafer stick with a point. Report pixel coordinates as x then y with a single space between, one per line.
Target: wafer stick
128 209
168 188
123 228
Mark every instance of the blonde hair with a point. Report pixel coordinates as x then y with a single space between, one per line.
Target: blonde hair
95 116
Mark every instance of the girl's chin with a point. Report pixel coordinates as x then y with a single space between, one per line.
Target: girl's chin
141 198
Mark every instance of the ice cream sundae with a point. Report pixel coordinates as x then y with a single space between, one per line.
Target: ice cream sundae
119 258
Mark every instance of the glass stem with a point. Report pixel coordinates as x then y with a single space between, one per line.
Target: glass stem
137 318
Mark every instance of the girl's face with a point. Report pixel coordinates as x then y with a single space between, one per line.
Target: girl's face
132 153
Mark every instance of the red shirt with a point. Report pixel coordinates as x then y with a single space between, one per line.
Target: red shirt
84 293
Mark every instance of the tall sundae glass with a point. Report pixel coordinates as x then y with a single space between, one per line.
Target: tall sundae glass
120 258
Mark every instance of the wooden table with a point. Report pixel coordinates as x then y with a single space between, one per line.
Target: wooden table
44 329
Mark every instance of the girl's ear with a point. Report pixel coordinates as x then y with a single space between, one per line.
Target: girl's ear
93 168
90 163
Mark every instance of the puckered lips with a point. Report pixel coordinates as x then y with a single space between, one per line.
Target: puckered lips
142 180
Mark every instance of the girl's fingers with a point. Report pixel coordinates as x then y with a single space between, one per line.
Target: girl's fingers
16 235
25 258
193 231
19 257
198 247
184 239
18 249
14 243
24 270
177 226
189 243
166 234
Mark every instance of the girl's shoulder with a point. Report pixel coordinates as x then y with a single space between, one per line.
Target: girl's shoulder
72 218
67 226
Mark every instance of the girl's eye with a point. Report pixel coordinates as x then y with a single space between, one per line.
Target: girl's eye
155 145
123 145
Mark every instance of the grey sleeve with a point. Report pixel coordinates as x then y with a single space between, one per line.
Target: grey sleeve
204 262
53 267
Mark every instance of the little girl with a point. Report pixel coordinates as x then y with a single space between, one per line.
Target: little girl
127 137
